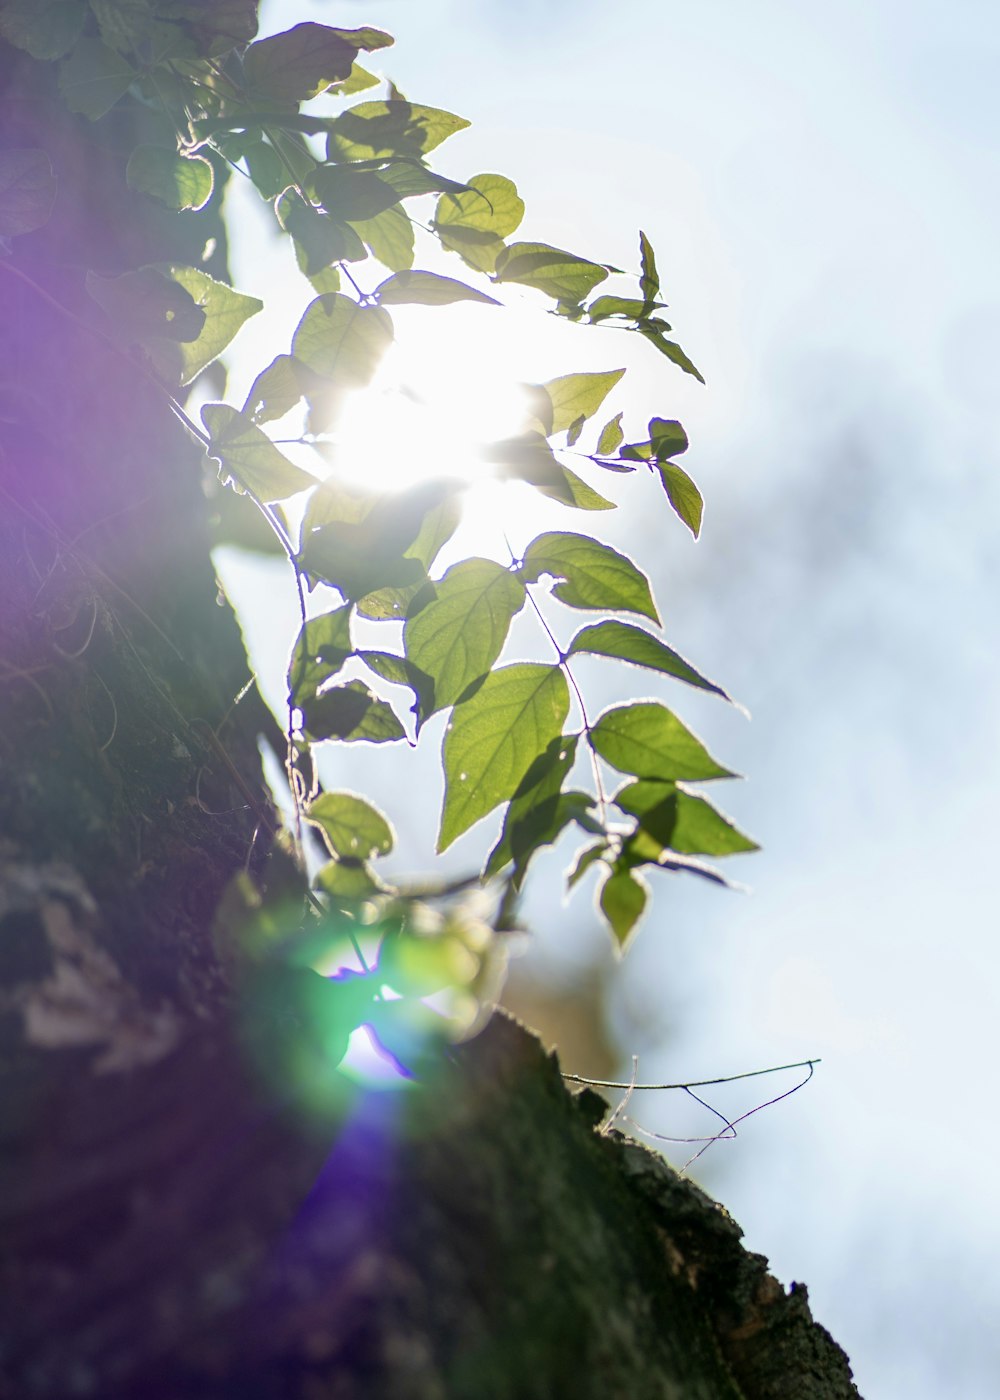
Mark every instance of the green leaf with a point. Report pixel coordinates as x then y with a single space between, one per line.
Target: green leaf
683 495
493 739
653 333
349 194
474 223
264 165
342 340
224 311
439 524
27 190
559 274
319 238
647 739
389 237
365 541
458 636
626 642
603 307
347 880
574 396
322 647
623 900
394 669
584 860
426 289
274 392
179 182
248 457
146 304
611 436
594 575
649 280
217 26
378 130
359 80
412 177
533 818
351 826
682 821
302 62
350 713
667 438
528 457
93 78
46 29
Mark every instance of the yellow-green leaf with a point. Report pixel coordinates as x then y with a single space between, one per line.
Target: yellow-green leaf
248 457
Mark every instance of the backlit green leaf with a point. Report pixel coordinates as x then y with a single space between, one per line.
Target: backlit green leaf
27 190
559 274
274 392
603 307
682 821
412 177
528 457
359 80
594 575
427 289
623 900
342 340
458 636
319 238
654 334
474 223
584 860
626 642
179 182
389 237
46 29
352 827
611 436
649 280
667 438
93 78
224 311
322 647
439 524
248 457
345 880
683 495
533 818
648 740
378 130
493 739
575 396
350 713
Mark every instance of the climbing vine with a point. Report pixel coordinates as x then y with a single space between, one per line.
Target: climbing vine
353 189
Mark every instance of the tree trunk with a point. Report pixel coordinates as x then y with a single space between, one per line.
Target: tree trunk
173 1224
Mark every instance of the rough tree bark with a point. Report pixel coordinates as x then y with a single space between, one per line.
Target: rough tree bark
170 1225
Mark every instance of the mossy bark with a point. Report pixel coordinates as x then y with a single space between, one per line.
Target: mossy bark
172 1223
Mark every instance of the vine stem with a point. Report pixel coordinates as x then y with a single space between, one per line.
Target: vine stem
565 667
690 1083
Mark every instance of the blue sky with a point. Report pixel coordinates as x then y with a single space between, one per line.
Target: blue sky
821 187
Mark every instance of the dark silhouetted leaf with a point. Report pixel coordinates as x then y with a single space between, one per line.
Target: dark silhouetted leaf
146 303
594 575
27 190
302 62
458 636
320 239
350 712
248 457
628 643
46 29
648 740
493 739
666 438
584 860
349 194
93 78
351 826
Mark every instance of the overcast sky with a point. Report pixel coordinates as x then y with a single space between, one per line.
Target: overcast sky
821 187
